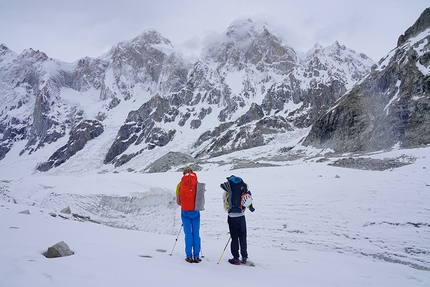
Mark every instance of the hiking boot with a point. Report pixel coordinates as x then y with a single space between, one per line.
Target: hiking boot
189 259
243 261
197 260
234 261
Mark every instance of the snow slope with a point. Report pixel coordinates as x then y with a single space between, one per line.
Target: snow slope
314 225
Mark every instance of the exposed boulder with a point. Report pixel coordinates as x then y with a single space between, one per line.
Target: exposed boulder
171 159
374 163
60 249
66 210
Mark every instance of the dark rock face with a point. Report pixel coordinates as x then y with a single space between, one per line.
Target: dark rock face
254 113
143 126
80 135
419 26
391 106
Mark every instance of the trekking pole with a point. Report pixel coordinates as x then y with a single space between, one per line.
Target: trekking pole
201 250
176 240
224 250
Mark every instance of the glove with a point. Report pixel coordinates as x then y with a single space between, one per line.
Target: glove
251 208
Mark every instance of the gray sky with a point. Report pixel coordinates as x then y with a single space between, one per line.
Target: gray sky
72 29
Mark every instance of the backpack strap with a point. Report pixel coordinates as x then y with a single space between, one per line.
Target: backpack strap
227 195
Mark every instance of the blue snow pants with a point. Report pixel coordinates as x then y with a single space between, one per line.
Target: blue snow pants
191 223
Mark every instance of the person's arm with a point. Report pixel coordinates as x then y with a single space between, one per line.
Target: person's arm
250 207
178 194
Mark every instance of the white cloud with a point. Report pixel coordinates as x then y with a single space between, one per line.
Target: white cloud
69 30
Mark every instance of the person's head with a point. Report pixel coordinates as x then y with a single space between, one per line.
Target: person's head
187 169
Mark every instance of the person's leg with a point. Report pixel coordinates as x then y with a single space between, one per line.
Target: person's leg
186 222
242 238
234 234
195 222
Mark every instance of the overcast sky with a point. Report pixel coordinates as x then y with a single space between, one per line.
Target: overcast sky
71 29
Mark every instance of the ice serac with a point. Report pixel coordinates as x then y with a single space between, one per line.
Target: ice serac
390 107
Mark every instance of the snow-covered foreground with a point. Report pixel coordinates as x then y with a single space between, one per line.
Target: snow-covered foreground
314 225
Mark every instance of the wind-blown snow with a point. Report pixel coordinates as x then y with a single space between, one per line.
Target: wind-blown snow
314 225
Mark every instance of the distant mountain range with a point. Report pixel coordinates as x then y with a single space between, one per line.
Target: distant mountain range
143 99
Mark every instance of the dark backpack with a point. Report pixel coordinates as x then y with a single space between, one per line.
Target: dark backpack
238 187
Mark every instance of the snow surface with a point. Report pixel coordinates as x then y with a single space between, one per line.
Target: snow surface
314 225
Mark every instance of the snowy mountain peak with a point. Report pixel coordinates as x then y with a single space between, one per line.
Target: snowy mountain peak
142 44
422 24
149 37
33 56
6 54
336 63
337 48
247 42
4 50
316 47
412 47
240 30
